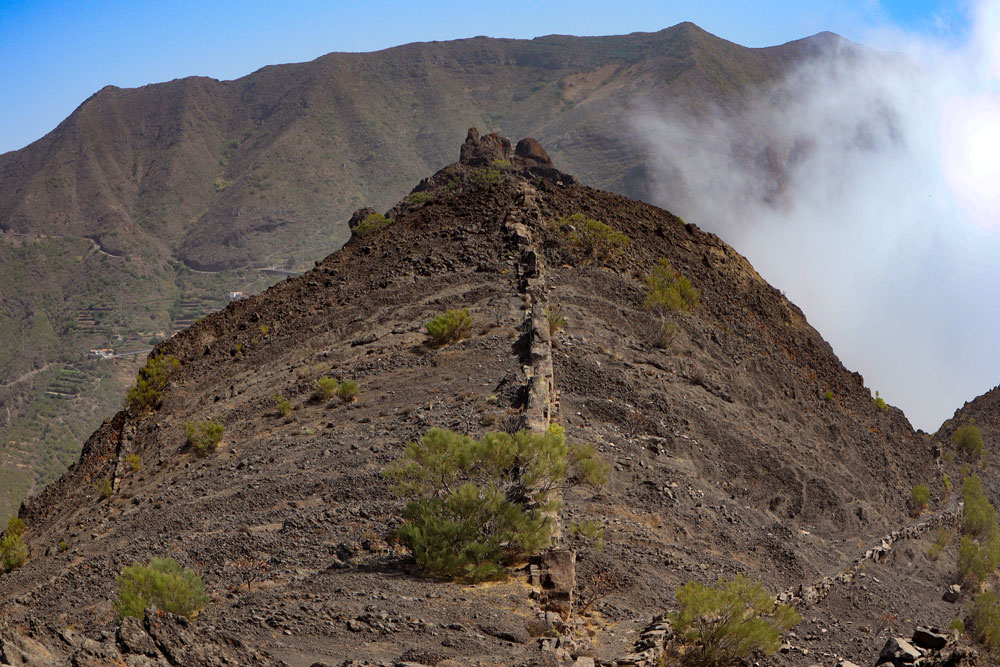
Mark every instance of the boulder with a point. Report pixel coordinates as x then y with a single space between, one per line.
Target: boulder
898 651
482 151
529 149
952 594
558 578
132 638
929 638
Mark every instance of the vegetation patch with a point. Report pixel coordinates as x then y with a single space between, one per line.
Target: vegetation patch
667 289
478 505
941 542
162 584
979 550
969 440
419 198
450 326
921 496
347 391
984 619
203 437
487 176
372 223
555 318
283 404
104 488
726 624
150 383
326 388
13 550
592 239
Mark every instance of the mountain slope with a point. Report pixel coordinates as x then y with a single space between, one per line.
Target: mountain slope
727 454
146 207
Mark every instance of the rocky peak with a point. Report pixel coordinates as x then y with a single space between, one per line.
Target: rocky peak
482 151
529 149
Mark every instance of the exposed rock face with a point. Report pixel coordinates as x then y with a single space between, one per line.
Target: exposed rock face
929 638
529 149
481 152
899 652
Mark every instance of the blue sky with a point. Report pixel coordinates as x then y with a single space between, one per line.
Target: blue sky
54 54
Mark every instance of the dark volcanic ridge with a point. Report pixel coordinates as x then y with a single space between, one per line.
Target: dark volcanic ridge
744 446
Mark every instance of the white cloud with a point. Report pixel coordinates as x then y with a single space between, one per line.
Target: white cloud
867 187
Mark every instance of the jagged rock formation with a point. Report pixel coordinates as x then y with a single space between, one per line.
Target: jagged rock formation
727 456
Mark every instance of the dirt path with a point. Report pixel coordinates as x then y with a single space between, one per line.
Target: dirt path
26 376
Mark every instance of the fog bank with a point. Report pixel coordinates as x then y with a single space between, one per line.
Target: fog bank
866 186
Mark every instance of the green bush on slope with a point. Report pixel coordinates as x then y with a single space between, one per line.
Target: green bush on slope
727 623
477 505
162 584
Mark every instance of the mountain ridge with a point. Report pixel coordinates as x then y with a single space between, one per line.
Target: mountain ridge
195 184
743 445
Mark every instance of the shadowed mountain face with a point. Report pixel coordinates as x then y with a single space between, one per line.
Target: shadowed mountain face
740 445
146 207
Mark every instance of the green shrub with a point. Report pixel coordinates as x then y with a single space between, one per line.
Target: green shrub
828 396
284 405
974 561
592 531
150 383
500 164
487 176
879 402
921 495
13 550
555 319
15 526
592 239
372 223
477 505
946 482
265 330
978 516
449 326
419 198
104 488
162 584
326 388
984 619
957 625
941 542
347 391
725 624
668 290
203 437
62 546
134 462
969 439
